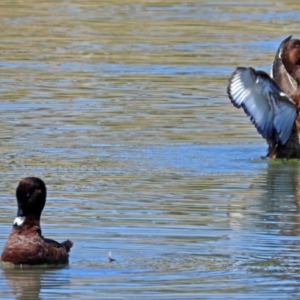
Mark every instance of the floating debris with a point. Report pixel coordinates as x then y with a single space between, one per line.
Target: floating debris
110 257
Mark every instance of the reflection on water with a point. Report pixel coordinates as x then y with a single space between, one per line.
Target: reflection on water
28 283
121 108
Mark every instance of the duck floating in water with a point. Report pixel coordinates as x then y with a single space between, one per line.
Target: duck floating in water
272 102
25 244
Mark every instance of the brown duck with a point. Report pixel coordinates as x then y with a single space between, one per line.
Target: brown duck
272 102
25 244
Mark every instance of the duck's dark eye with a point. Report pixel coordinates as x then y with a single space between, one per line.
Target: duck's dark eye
297 45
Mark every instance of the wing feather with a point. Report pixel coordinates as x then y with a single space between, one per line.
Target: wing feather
270 110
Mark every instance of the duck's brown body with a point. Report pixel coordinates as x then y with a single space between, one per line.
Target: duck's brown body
26 245
291 149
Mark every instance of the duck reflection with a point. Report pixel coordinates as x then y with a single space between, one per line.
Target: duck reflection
271 201
28 283
281 199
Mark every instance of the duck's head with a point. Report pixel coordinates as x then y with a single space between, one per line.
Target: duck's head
31 196
291 58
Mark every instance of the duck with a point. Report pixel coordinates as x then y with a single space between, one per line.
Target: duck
272 101
25 244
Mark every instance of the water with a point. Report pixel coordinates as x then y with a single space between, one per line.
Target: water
121 108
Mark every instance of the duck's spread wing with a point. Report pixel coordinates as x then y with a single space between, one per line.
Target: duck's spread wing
270 110
279 73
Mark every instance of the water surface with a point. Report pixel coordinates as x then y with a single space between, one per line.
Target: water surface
121 108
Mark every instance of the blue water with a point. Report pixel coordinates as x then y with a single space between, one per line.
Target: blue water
122 109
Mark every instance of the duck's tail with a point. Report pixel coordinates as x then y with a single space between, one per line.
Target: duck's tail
67 245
